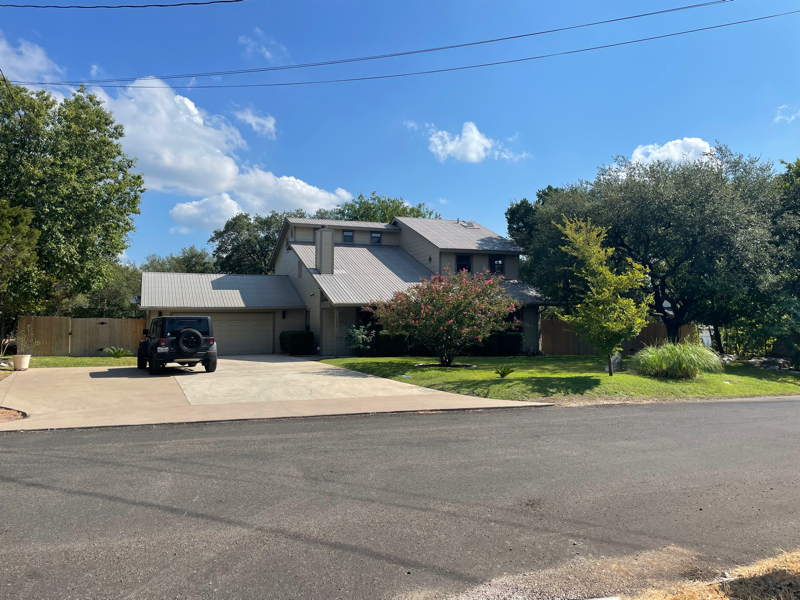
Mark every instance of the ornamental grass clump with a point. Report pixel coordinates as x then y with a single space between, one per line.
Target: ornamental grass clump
684 360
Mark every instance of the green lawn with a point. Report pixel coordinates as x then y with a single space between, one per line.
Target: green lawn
39 362
570 376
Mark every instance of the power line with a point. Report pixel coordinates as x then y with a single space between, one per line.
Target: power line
405 53
435 71
121 5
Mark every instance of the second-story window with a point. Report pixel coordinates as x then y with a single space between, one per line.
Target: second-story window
376 237
464 263
496 264
347 237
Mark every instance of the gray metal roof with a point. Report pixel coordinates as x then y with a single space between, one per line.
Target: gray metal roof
524 293
447 234
202 290
363 274
342 224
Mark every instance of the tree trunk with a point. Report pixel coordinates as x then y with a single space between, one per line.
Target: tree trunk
718 338
673 331
610 369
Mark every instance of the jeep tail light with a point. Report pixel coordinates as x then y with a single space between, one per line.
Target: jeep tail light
211 341
162 342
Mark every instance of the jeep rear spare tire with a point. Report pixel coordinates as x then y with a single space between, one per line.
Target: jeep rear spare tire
189 341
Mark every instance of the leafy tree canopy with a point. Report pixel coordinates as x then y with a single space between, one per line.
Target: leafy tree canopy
188 260
702 227
607 313
63 162
112 300
380 209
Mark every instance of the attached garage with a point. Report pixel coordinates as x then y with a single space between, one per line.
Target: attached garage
241 333
248 312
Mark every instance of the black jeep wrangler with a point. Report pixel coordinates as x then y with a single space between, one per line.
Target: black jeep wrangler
182 340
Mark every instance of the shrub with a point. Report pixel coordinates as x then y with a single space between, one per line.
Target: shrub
117 352
511 343
387 344
448 312
359 338
297 342
504 372
498 344
676 361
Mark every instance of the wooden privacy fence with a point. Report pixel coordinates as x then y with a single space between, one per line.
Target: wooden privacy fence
64 336
558 339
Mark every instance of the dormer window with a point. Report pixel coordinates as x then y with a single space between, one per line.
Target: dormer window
347 237
376 237
496 263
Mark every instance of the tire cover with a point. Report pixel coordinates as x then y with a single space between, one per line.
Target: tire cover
189 341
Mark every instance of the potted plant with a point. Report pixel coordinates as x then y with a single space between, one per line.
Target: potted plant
25 343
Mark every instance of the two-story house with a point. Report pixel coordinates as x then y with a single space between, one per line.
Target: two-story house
326 270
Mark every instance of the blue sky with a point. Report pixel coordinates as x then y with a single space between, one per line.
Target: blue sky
467 143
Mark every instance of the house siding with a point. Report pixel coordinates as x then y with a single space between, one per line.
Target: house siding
512 267
420 248
303 234
447 261
480 263
286 264
347 317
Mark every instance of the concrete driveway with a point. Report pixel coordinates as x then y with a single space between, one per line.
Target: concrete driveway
244 387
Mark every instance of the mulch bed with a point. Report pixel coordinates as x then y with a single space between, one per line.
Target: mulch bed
9 414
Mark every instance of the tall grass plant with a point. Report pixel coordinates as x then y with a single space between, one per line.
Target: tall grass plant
684 360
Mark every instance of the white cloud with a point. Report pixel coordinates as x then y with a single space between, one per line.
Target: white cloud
263 45
510 155
411 125
208 213
26 62
442 201
260 191
513 138
181 149
262 125
675 150
94 70
471 146
783 113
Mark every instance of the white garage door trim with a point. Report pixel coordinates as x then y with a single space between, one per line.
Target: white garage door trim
241 333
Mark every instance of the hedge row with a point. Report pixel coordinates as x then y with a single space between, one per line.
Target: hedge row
297 342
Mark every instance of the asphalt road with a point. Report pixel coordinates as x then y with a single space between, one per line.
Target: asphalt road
392 505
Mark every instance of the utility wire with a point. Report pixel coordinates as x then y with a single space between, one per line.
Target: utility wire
121 5
406 53
434 71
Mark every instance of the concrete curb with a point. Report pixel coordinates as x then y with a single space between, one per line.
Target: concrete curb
282 418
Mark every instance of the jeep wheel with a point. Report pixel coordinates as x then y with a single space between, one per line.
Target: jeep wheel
141 361
211 365
153 366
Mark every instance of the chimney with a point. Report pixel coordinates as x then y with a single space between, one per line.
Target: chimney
323 241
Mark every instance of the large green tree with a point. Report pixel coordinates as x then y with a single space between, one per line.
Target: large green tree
188 260
17 252
63 161
702 227
381 209
113 298
245 243
612 308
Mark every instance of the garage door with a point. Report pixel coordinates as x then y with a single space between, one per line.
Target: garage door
242 333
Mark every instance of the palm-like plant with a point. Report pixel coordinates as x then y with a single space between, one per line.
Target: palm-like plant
117 352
